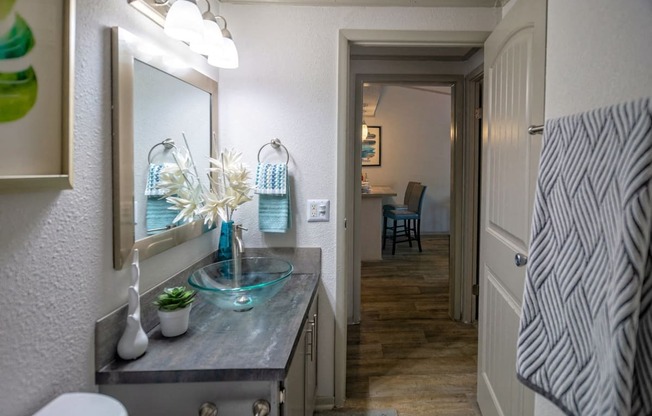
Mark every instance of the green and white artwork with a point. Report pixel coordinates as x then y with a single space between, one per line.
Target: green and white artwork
36 92
18 83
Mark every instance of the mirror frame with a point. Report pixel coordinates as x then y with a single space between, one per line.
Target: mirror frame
125 50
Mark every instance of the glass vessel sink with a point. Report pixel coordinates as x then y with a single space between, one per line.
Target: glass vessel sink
260 278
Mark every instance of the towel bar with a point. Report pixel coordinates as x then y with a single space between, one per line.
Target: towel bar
275 143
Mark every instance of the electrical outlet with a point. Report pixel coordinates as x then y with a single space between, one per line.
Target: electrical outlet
318 210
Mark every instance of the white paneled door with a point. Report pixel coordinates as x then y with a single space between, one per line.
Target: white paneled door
514 98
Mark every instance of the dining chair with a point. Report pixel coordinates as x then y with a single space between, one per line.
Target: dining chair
410 229
406 197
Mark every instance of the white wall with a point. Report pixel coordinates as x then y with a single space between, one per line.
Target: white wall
56 247
598 53
286 87
416 147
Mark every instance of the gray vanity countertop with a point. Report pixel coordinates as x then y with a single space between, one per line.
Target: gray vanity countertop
222 345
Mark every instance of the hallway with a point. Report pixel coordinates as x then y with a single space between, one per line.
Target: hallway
407 353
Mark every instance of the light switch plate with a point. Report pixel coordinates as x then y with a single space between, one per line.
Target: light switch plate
319 210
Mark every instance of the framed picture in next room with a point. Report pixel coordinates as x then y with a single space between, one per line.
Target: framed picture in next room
371 147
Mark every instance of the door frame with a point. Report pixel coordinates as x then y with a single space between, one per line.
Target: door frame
346 135
471 209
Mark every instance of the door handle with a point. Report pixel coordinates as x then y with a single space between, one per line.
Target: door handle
520 260
534 129
310 340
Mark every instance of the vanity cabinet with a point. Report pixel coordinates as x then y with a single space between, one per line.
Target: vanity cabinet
230 359
300 385
311 373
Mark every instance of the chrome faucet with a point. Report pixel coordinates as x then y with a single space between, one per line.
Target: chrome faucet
238 247
236 253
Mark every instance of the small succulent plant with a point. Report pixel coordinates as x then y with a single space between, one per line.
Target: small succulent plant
174 298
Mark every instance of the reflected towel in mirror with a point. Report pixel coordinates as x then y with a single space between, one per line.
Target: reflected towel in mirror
158 215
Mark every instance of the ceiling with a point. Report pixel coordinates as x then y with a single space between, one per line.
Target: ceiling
399 3
372 94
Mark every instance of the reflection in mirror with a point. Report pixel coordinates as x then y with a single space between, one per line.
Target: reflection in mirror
157 99
164 106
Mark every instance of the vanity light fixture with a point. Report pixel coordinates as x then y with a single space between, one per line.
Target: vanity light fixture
154 9
211 39
182 19
226 56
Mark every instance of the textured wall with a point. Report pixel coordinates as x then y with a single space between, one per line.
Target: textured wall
416 136
56 247
286 87
598 53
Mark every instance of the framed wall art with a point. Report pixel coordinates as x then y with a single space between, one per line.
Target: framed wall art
371 147
36 94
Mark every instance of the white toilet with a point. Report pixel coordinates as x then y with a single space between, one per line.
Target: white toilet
83 404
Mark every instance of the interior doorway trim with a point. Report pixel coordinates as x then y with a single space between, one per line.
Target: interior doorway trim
345 153
471 207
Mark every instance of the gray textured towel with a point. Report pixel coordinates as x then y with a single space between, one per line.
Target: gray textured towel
585 339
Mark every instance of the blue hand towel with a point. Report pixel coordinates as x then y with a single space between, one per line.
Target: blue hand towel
158 216
274 214
153 179
271 179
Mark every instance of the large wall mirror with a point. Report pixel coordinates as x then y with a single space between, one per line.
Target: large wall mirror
158 103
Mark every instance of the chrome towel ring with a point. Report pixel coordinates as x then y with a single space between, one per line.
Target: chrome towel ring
167 144
275 143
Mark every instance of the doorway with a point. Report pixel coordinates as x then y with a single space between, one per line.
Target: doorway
410 158
348 127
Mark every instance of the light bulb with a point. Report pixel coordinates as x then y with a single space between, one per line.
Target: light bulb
211 39
184 22
226 56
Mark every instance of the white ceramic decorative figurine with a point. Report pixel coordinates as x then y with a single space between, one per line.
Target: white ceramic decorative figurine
133 342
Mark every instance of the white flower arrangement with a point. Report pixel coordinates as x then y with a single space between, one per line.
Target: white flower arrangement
230 187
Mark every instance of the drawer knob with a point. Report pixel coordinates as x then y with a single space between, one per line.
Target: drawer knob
208 409
261 408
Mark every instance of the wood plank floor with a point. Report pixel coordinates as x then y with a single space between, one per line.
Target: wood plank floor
407 353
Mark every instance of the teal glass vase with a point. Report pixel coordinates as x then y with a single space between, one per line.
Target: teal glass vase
225 246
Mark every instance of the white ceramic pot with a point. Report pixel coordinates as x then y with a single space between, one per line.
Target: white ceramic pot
174 323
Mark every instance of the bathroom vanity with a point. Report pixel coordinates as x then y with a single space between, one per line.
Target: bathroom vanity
229 359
